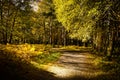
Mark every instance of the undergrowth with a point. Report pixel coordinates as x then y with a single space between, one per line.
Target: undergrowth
15 61
37 52
109 66
45 58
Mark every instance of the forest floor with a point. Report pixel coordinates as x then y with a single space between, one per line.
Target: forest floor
79 64
73 63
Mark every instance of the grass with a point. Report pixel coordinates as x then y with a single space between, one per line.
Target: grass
45 58
75 48
110 67
37 52
22 62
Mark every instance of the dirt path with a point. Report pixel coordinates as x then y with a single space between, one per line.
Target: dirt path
74 63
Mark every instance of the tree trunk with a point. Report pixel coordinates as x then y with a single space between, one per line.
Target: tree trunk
44 34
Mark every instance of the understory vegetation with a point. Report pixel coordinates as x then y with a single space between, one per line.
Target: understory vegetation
18 62
25 62
108 66
30 52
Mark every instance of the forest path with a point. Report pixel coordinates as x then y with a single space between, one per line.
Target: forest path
74 63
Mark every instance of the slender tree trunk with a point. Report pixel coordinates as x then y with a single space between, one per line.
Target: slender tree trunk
64 38
44 35
50 25
1 21
50 35
12 27
63 33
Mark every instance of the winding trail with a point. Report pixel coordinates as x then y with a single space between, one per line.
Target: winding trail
74 63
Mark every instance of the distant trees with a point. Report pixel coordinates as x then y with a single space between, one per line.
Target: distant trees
30 22
11 13
47 27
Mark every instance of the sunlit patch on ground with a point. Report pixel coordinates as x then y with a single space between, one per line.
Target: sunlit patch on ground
60 71
73 64
63 72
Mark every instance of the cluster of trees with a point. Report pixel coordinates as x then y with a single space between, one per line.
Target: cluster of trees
62 22
97 21
13 20
31 21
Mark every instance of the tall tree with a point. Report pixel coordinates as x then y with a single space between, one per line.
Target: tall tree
91 20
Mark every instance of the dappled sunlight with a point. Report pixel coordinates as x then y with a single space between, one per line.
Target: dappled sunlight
29 49
35 64
61 71
60 39
57 70
74 49
70 65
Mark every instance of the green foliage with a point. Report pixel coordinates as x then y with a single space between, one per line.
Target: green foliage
46 58
29 52
111 67
16 67
76 48
76 17
17 62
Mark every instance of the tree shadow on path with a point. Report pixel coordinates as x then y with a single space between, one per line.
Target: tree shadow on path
80 65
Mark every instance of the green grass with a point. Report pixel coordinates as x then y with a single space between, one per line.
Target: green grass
46 58
23 62
16 61
40 53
